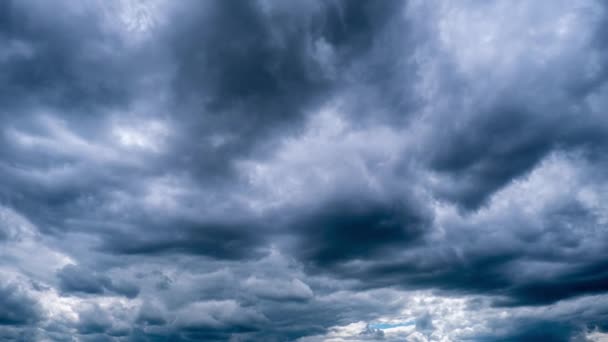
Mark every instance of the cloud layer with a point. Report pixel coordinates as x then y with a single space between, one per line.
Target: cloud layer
314 171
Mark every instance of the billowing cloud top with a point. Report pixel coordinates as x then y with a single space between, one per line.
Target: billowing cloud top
303 171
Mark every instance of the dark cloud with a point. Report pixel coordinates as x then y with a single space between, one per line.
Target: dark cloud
151 315
547 327
60 60
264 171
501 134
504 264
93 320
17 307
249 73
580 279
357 227
217 240
76 279
490 152
540 331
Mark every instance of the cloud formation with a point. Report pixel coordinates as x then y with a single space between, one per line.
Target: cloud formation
325 170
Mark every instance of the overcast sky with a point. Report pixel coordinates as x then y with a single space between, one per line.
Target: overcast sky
269 170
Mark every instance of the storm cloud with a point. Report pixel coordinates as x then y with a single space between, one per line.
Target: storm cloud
321 170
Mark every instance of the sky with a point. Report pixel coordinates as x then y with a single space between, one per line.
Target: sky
323 170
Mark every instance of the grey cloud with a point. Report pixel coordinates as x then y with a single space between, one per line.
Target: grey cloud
17 307
275 289
504 264
219 240
351 228
77 279
174 151
243 85
60 59
151 314
502 132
